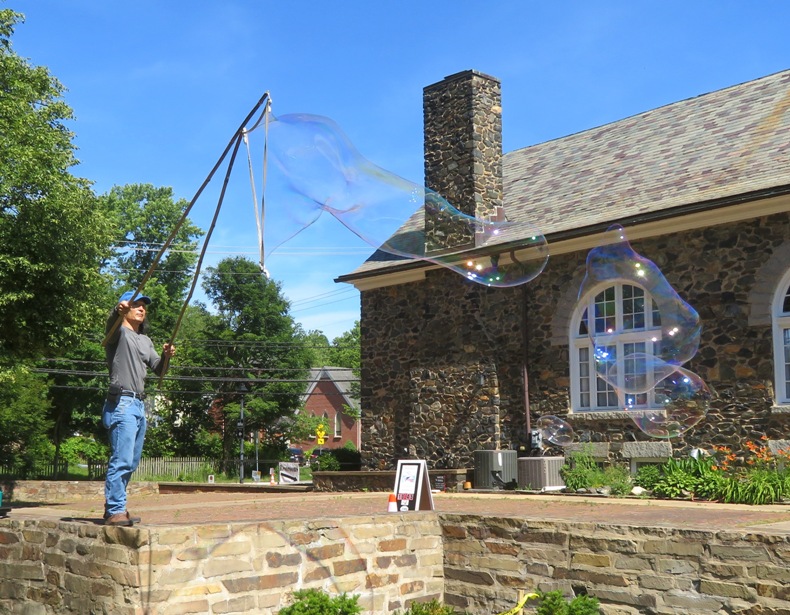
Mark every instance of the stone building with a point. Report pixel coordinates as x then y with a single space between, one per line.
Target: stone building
702 188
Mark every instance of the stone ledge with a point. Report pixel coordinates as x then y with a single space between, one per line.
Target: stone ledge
646 450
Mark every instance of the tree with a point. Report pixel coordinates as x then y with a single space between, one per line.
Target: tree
259 344
146 216
318 344
346 351
23 409
53 236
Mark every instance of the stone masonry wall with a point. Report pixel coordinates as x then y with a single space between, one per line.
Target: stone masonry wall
463 154
446 323
475 563
66 567
630 570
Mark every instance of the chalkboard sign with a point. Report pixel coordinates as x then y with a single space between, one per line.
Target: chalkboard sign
440 482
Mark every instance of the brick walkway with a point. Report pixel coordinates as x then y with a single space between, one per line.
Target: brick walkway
254 505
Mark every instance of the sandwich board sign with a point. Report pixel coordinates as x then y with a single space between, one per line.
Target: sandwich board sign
289 472
412 485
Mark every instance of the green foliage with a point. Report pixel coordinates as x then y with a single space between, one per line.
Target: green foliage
23 417
348 458
581 471
554 603
618 479
316 602
647 476
79 449
145 216
678 479
433 607
53 235
328 463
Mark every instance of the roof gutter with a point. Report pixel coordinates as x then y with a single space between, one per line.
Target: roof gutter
590 230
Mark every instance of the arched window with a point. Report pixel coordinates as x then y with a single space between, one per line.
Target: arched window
781 335
626 324
338 424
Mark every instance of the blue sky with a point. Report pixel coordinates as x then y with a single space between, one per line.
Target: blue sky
159 87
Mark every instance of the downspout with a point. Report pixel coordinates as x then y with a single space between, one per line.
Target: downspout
524 362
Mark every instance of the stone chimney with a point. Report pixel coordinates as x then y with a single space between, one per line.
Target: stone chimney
462 117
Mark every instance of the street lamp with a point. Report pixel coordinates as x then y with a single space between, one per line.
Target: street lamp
241 389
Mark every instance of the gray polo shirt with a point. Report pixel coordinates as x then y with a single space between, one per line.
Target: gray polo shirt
128 353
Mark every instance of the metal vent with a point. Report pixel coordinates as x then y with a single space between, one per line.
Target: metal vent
540 472
494 469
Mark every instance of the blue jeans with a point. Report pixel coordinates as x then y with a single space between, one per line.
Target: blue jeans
126 424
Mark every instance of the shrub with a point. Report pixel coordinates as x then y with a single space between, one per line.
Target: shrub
348 458
580 471
554 603
647 476
434 607
316 602
618 479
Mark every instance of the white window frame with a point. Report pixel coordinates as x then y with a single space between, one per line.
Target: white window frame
649 335
338 431
781 337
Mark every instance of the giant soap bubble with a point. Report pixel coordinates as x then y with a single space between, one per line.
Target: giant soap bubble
641 337
683 400
324 172
553 429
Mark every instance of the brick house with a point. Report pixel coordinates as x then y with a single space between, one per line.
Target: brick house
702 188
329 395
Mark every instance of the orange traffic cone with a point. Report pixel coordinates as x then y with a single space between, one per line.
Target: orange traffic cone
392 506
271 477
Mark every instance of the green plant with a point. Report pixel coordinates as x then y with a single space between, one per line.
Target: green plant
678 480
580 471
316 602
434 607
328 463
647 476
618 479
554 603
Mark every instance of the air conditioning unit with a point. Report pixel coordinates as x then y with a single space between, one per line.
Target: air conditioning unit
540 472
494 469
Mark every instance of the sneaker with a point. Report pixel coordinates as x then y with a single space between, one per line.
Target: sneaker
121 519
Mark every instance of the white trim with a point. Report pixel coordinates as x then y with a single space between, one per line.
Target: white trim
578 342
780 322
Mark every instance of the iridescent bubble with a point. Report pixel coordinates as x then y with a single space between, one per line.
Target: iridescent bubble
682 400
669 327
323 172
553 429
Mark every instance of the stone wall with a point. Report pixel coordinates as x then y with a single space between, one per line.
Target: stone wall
631 570
463 155
374 480
446 325
54 491
61 567
475 563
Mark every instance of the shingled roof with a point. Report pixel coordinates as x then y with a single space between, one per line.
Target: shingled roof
704 152
730 142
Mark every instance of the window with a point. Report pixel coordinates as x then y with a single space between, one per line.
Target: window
781 334
338 424
627 329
